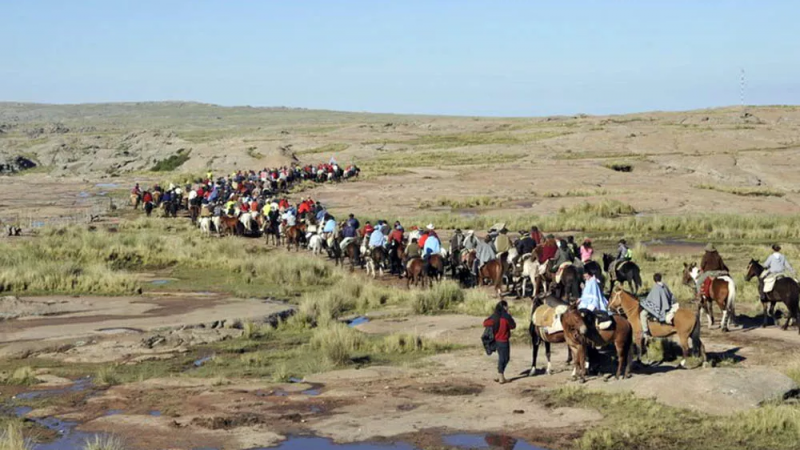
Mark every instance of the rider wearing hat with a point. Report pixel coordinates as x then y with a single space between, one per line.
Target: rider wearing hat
711 265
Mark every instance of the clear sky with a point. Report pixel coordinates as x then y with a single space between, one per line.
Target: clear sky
514 58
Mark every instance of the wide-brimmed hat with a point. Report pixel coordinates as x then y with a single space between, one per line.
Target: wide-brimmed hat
430 226
470 232
710 247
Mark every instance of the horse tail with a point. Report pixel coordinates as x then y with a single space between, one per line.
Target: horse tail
730 302
697 345
637 279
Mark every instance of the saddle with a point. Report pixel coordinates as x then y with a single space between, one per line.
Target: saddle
602 320
770 280
561 270
548 318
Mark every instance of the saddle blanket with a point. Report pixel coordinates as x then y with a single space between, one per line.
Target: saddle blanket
548 318
769 281
705 289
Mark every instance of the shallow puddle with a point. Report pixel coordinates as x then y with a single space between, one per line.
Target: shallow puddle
311 443
487 441
79 385
160 282
203 360
358 321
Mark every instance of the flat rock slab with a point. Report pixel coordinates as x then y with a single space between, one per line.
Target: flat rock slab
714 391
93 316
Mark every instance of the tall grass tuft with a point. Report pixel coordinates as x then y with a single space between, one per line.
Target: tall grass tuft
439 298
11 437
107 376
104 443
22 376
338 343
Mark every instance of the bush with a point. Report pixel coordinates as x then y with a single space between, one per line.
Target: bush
337 342
173 162
22 376
11 438
440 297
107 376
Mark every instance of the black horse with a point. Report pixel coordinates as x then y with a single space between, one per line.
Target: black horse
785 290
625 273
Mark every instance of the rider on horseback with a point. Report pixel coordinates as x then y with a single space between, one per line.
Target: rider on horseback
483 254
657 305
430 247
710 266
623 255
776 265
563 256
377 238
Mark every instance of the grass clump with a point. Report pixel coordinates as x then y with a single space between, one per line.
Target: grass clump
742 191
172 162
328 148
469 202
253 152
619 166
477 303
440 297
605 209
107 376
11 437
104 443
22 376
576 193
337 343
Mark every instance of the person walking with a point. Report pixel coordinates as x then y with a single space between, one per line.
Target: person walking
502 323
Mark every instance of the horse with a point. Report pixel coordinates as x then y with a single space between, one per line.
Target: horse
353 253
194 212
722 292
335 249
148 208
295 235
569 285
539 335
271 229
626 271
376 259
157 198
785 290
136 200
435 268
685 324
395 255
205 226
414 273
229 224
581 333
316 243
492 270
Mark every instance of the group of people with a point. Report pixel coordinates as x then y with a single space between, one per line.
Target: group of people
241 192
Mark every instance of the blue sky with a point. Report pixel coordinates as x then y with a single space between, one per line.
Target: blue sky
507 58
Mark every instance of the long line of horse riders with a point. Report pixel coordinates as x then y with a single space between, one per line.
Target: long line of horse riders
561 276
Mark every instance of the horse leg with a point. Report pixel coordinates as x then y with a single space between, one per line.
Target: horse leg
789 317
766 314
684 338
549 370
535 341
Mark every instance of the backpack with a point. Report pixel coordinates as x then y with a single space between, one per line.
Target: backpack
487 338
629 254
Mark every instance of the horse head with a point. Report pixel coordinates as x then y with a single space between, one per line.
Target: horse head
617 300
754 269
690 273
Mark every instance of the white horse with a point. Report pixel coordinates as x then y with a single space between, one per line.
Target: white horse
316 243
217 221
205 225
247 220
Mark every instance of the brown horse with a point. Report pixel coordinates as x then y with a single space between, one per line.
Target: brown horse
722 292
352 251
539 335
785 290
580 332
414 273
230 225
492 270
435 268
295 235
685 324
194 213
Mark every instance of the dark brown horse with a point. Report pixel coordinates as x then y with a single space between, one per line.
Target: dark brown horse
353 253
580 332
295 235
539 335
785 290
435 268
722 292
685 324
194 213
625 272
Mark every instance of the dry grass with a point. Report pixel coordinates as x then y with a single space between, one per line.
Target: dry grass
22 376
743 191
11 437
440 297
464 203
104 443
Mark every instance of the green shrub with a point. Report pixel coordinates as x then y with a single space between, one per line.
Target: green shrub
438 298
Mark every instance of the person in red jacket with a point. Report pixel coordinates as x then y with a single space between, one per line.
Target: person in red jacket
549 249
502 323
